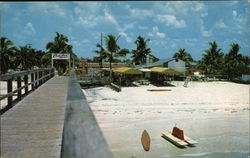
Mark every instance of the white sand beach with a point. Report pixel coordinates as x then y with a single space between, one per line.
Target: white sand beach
216 114
3 91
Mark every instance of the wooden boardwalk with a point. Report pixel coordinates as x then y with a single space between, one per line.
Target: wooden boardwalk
33 127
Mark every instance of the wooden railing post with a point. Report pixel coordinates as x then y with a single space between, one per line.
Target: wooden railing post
47 72
19 84
9 89
26 83
36 76
40 81
32 80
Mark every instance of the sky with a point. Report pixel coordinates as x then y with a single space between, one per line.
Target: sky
170 25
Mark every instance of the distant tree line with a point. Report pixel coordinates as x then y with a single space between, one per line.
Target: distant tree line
214 61
26 57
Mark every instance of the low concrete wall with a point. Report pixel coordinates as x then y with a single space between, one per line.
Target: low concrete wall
82 137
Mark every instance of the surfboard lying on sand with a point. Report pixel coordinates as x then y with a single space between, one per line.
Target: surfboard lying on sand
159 90
145 140
181 143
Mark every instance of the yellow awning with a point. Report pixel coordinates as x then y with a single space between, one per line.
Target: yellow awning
163 70
128 71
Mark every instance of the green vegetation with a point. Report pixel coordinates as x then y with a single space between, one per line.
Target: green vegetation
214 61
103 54
140 54
7 52
233 64
59 45
113 50
184 56
26 57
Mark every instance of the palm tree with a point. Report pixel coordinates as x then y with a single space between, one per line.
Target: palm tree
113 50
103 54
234 62
184 56
59 45
38 54
140 54
24 58
6 54
212 61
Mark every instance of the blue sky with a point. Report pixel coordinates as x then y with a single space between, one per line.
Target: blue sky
170 25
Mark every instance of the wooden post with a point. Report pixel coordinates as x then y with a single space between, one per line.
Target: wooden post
40 76
36 79
32 80
47 73
19 84
26 83
9 89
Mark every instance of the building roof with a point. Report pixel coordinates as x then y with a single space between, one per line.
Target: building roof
159 62
128 71
145 70
163 70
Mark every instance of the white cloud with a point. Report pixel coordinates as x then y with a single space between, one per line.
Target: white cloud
204 32
140 13
88 7
155 28
29 29
240 22
198 7
48 8
76 43
155 33
128 39
125 27
95 16
160 34
109 17
87 13
170 20
179 7
220 24
234 13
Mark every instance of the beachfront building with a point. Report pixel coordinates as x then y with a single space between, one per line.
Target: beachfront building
126 75
175 64
162 75
94 69
178 65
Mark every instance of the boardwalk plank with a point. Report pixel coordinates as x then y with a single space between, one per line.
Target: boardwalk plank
33 127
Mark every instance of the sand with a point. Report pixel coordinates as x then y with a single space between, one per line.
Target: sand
216 114
3 91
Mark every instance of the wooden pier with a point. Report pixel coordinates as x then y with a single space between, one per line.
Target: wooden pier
52 121
33 127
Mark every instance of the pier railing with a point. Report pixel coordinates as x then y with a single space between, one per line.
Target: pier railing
82 137
35 78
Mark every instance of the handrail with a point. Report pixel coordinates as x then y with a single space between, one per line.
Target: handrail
82 137
37 76
20 73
